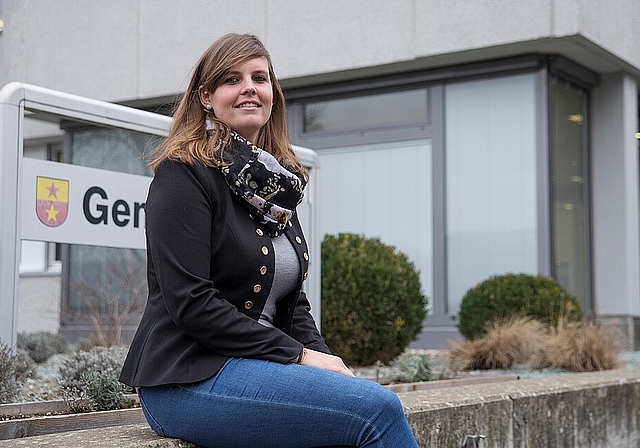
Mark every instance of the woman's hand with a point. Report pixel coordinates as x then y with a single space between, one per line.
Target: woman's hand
313 358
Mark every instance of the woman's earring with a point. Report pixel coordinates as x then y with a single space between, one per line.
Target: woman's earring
208 106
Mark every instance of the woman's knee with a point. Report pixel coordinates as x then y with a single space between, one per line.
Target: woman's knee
393 403
383 399
386 424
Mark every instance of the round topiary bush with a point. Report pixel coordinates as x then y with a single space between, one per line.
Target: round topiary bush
372 306
512 295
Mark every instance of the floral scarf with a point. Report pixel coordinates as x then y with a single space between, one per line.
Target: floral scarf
269 191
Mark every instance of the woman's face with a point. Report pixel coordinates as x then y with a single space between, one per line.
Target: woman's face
244 99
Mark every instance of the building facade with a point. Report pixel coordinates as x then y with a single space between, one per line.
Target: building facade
478 137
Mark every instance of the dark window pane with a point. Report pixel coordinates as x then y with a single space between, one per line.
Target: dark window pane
569 190
366 112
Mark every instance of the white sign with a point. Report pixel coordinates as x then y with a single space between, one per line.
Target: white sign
73 204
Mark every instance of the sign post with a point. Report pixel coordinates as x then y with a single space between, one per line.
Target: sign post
11 121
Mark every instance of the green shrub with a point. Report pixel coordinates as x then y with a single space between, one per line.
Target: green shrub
515 295
42 345
372 306
15 369
89 379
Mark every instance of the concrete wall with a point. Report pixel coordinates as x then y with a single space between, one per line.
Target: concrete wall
615 199
599 409
120 50
594 410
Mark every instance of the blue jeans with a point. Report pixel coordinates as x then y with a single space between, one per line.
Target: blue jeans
251 403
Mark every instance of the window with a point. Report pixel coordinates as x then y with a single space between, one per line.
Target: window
471 202
384 191
490 181
366 112
375 157
569 190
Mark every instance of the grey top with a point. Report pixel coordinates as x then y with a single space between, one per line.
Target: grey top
285 278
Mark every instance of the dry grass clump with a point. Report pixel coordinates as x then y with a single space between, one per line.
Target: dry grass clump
580 347
575 346
505 344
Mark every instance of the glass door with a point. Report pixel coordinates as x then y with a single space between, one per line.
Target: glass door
570 190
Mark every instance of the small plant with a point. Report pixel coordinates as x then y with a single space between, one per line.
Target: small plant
505 344
515 295
15 369
25 366
89 380
372 306
412 368
42 345
104 391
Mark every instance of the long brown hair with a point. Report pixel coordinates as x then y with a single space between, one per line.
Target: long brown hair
188 140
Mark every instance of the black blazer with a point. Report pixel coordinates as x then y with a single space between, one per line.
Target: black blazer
210 267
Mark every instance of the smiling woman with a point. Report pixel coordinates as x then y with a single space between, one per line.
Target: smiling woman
227 336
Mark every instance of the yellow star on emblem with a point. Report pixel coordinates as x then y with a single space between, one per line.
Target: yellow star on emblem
52 213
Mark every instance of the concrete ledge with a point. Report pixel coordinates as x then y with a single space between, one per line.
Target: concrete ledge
596 409
127 436
600 409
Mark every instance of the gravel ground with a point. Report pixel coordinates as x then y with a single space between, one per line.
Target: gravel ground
44 385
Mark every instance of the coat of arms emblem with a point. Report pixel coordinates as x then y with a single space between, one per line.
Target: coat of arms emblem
52 200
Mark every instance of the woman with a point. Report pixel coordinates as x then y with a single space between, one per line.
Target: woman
227 353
